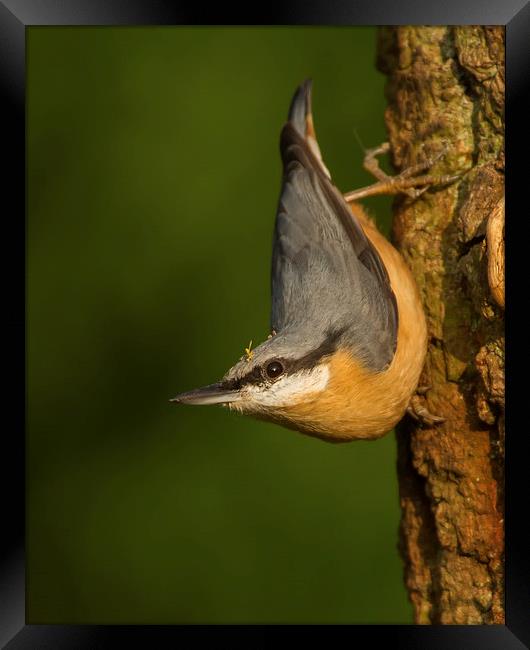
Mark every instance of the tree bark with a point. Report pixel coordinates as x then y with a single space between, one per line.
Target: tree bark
445 95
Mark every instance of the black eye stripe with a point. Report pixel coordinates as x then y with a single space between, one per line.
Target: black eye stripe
313 358
258 375
253 377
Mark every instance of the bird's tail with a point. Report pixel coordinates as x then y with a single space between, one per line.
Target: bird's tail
301 117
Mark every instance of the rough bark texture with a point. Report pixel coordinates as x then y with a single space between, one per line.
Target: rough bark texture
445 90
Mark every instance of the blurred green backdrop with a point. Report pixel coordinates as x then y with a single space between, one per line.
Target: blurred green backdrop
153 176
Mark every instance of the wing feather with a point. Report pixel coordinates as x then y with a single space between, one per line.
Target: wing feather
326 274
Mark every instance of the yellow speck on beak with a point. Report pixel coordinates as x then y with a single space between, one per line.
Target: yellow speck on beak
248 351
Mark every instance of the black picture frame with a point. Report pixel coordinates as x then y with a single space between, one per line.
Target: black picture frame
15 17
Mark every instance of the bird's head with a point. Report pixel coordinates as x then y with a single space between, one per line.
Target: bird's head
286 371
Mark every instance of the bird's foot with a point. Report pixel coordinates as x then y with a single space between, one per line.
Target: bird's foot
407 182
417 410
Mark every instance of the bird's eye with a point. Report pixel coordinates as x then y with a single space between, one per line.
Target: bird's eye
274 369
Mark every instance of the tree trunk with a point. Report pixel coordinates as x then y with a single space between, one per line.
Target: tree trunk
445 96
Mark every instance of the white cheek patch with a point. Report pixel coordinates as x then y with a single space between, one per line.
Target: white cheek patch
292 388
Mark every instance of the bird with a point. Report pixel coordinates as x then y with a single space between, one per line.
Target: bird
348 331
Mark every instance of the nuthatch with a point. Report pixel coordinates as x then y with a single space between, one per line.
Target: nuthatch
349 336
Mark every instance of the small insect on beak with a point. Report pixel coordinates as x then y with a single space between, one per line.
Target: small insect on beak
212 394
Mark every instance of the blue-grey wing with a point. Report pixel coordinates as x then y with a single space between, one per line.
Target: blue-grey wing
326 274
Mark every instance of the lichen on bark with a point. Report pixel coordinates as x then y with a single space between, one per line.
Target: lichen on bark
445 93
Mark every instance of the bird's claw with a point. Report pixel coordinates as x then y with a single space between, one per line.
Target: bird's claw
423 390
417 410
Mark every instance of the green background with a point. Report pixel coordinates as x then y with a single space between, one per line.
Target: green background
153 175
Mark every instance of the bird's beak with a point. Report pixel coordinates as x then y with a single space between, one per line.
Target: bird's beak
212 394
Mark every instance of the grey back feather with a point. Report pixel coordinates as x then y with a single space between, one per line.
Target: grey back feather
326 275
